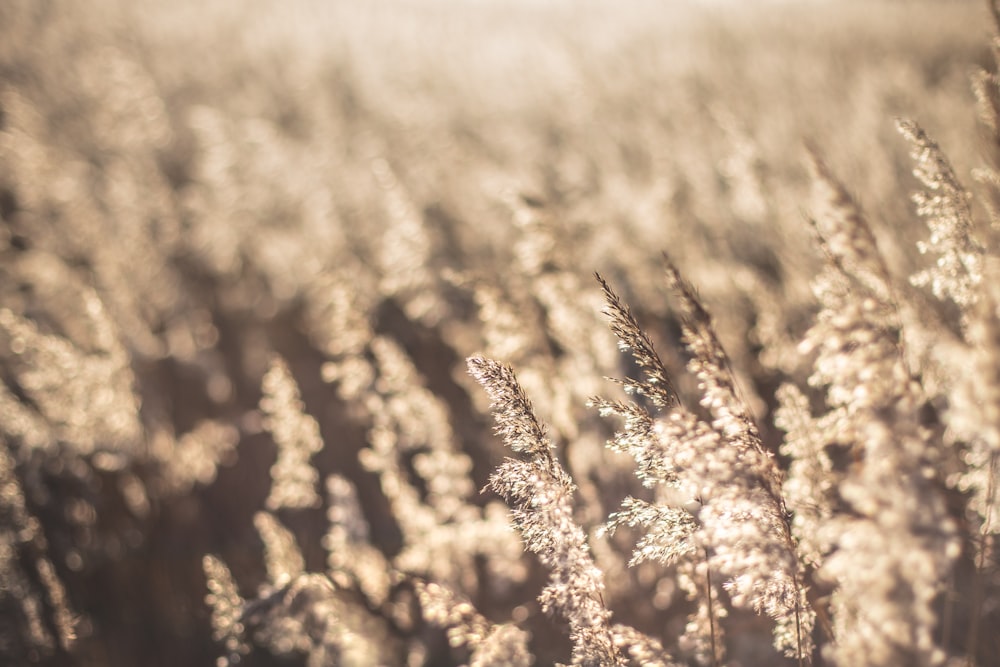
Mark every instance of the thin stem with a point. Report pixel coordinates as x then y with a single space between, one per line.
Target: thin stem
798 626
711 611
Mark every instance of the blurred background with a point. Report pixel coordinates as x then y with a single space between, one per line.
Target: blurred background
188 189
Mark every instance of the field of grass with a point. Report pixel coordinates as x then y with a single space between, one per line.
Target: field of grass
303 359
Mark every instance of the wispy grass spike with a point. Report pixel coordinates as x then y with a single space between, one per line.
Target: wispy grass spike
657 385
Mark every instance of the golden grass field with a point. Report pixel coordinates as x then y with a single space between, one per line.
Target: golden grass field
246 249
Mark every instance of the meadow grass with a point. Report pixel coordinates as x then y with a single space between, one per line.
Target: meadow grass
266 270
